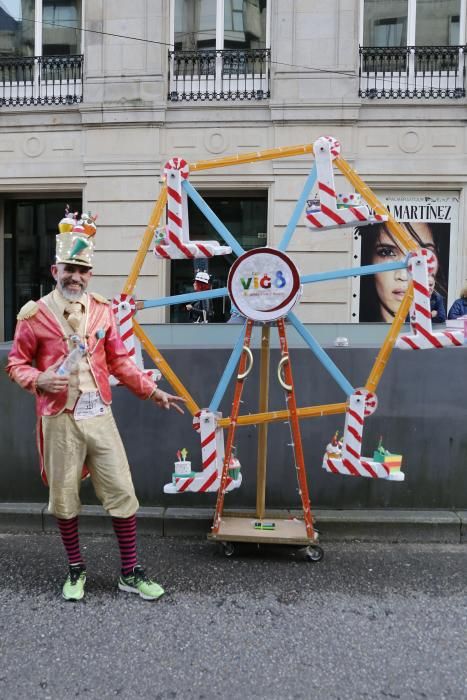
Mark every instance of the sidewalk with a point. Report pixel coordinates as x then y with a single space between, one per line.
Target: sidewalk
388 525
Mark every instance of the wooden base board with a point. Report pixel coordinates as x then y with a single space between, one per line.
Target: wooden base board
235 529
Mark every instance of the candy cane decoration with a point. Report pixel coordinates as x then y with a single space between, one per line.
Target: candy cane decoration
328 215
350 462
124 308
211 451
212 455
420 264
174 243
352 444
176 170
371 401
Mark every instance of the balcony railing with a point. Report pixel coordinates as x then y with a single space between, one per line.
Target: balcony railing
41 80
412 72
209 74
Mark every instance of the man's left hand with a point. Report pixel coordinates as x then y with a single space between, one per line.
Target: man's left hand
167 401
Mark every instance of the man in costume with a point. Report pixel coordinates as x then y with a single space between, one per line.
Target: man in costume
76 432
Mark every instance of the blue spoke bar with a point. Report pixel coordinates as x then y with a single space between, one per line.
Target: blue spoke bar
186 298
304 279
228 372
353 272
212 218
319 353
299 207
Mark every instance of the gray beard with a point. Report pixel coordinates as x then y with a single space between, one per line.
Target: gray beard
69 295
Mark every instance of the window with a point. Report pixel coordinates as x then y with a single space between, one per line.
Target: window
16 28
60 33
201 24
437 23
389 23
40 28
29 250
220 50
412 48
389 31
40 52
244 212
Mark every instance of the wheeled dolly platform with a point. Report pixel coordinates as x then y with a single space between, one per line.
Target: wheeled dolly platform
290 531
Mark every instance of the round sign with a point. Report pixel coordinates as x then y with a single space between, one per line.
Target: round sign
264 284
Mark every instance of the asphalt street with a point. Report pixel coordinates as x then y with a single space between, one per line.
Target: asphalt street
379 621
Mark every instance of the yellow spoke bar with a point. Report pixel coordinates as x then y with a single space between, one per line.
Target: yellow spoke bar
165 368
277 416
242 158
146 241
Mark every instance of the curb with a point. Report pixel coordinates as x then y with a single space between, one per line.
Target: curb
442 526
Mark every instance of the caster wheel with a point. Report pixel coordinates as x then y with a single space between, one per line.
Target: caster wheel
228 548
314 553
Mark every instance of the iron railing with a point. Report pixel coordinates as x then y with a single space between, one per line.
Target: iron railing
210 74
412 71
41 80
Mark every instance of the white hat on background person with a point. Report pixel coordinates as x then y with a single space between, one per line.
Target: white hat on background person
202 276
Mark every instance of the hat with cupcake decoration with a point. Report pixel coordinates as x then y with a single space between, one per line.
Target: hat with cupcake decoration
75 242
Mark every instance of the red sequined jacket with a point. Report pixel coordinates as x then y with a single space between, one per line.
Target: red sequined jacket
39 342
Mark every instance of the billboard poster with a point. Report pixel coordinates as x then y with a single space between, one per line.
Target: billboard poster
432 223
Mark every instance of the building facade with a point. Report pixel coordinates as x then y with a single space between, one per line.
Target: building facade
96 97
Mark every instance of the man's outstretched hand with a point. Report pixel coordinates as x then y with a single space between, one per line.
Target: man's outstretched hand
167 401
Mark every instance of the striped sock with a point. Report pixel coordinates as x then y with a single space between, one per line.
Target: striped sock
70 538
125 530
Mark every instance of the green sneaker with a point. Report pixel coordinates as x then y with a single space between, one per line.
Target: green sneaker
138 582
73 588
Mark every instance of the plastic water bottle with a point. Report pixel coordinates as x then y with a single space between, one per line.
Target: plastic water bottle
71 362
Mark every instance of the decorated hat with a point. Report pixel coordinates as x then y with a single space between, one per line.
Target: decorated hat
75 243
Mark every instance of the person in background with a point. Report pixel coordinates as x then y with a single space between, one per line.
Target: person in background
201 311
76 433
438 311
459 307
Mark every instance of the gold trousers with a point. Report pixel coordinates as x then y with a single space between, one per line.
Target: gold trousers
96 442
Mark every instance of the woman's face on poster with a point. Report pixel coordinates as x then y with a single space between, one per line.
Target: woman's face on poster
392 286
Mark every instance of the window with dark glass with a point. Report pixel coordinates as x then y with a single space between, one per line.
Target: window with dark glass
29 250
244 213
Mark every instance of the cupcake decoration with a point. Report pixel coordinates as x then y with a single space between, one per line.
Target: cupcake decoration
68 222
182 466
334 448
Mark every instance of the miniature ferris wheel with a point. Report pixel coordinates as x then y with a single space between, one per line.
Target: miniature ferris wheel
265 286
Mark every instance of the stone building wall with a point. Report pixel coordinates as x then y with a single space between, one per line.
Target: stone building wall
112 146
